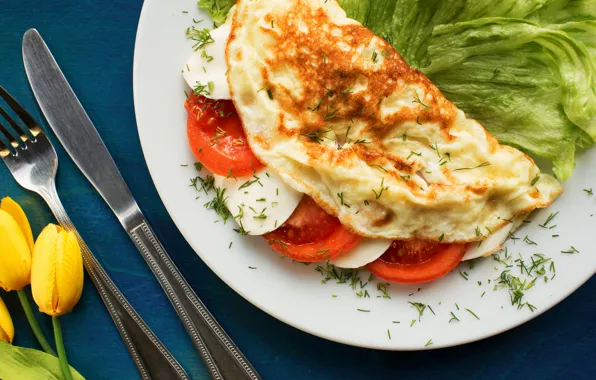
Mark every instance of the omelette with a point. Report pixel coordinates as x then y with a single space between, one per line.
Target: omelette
338 114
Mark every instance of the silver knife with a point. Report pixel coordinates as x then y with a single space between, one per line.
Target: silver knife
78 135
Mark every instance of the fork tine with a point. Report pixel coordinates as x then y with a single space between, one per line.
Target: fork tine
5 135
19 131
33 127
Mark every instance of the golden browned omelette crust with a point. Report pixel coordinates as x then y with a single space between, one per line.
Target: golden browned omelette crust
337 112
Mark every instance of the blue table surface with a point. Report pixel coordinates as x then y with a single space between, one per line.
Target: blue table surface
93 41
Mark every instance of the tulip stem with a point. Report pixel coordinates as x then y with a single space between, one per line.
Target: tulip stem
34 324
60 347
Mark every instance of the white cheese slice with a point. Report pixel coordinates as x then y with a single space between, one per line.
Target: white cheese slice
259 203
367 251
209 65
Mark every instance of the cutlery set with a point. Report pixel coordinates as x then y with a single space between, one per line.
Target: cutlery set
32 160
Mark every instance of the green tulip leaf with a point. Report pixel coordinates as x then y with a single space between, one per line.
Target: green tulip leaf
17 363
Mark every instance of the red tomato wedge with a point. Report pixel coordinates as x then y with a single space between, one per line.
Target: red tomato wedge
217 139
311 235
417 261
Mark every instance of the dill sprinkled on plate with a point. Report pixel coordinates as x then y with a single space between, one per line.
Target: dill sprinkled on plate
383 289
471 312
206 183
420 307
389 334
364 310
528 241
464 275
475 167
430 341
412 323
571 250
457 306
252 267
549 219
453 318
589 191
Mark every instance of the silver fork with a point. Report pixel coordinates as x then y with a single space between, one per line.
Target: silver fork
33 162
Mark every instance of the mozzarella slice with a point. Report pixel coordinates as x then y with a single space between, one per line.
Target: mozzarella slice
260 203
493 242
209 65
367 251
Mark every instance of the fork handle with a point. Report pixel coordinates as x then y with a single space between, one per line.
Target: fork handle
223 358
152 359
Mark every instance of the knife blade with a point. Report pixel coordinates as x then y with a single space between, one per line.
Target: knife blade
74 129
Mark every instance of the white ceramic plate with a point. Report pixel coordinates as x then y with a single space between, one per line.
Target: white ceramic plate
293 292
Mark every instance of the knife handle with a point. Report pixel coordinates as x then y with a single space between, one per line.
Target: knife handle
152 359
219 353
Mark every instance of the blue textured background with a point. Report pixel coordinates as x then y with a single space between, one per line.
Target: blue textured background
93 41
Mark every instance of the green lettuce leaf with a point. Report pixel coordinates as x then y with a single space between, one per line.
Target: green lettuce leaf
218 9
25 363
530 82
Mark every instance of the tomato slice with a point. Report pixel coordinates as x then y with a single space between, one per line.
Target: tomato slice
311 235
216 137
417 261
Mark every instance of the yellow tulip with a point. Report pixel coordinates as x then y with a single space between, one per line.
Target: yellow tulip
16 243
6 326
57 271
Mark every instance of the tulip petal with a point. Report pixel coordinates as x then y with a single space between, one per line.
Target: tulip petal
6 326
43 269
19 216
15 255
69 272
